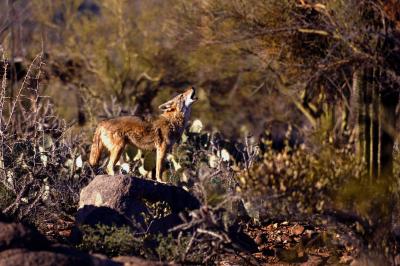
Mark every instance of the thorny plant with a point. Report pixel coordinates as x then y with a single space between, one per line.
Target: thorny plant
212 164
39 162
213 230
211 234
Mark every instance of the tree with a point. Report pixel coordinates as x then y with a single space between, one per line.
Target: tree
101 50
333 61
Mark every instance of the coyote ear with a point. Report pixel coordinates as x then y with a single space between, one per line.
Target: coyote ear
165 106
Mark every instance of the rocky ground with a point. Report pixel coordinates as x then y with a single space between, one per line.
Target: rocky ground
24 245
297 242
278 242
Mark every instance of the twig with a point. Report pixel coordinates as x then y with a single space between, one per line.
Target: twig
33 204
17 201
203 231
189 246
21 89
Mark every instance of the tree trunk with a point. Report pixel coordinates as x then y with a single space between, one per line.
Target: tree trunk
358 112
374 131
389 100
374 108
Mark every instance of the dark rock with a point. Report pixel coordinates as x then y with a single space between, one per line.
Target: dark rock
92 215
162 225
16 235
241 240
24 257
22 245
4 218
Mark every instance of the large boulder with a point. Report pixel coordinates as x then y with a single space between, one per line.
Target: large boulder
25 257
22 245
117 199
16 235
65 257
113 192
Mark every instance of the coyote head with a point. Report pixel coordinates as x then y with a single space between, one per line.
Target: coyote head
181 102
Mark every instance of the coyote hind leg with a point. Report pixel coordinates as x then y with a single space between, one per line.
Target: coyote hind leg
115 153
161 151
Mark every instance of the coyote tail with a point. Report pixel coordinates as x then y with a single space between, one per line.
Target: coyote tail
97 146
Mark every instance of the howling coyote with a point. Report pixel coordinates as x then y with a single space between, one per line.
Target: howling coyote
160 134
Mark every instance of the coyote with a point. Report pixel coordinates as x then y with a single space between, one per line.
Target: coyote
160 134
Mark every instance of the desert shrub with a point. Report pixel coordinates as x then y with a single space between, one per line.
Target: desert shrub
110 240
210 159
299 181
42 166
172 248
326 185
115 241
6 197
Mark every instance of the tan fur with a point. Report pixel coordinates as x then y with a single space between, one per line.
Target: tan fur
160 134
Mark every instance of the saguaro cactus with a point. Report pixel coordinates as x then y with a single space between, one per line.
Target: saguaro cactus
374 106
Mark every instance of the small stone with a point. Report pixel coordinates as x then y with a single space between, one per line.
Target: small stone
50 226
65 233
258 255
300 253
259 239
297 229
286 238
313 261
345 259
309 232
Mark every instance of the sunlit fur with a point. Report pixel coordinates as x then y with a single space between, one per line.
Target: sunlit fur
160 134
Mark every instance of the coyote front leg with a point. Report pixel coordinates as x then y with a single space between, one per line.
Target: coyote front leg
161 151
115 153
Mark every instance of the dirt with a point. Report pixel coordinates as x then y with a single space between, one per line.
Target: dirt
301 243
279 243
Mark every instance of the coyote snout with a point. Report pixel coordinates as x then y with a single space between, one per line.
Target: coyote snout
160 134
